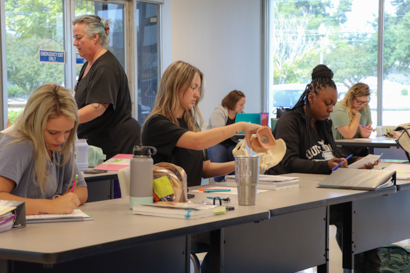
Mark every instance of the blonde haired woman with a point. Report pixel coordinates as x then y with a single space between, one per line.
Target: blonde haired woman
352 118
37 154
173 126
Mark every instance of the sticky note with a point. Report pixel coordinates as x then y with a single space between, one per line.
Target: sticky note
163 187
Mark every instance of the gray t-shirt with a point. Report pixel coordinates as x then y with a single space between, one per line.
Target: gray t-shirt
17 164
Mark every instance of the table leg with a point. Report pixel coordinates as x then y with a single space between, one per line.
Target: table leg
348 255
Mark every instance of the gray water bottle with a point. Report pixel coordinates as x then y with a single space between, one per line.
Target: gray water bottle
141 175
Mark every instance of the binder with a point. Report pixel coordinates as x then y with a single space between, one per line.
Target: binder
14 215
359 179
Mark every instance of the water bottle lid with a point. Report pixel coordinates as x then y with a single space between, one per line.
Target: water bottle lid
144 150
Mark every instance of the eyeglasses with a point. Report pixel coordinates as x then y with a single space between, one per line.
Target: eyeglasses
359 102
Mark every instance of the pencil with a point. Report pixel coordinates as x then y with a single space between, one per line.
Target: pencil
74 183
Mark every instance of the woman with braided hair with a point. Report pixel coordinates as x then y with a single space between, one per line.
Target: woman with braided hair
102 91
307 131
311 148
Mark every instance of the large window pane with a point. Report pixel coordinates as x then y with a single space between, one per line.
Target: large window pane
396 63
113 12
148 58
340 34
31 25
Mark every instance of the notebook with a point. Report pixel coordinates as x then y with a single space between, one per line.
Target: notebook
178 210
248 117
269 182
359 179
76 215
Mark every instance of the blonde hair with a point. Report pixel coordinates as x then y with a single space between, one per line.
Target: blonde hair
178 76
46 102
357 90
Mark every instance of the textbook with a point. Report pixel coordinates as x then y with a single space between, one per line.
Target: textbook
269 182
179 210
76 215
359 179
12 215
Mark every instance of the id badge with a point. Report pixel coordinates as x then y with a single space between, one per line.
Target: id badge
327 155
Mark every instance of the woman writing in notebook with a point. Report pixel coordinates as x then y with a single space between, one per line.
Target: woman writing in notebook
173 125
311 147
351 117
38 166
225 114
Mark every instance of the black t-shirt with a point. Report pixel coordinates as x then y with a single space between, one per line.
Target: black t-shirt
229 142
115 131
161 133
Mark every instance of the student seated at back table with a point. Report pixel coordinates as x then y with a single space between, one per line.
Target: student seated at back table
37 163
172 128
311 148
225 114
352 118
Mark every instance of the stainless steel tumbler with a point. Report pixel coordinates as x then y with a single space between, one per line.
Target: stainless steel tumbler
247 178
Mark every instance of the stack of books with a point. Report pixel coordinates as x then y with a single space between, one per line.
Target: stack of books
12 215
270 182
179 210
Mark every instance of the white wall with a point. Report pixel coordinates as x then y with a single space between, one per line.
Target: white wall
224 39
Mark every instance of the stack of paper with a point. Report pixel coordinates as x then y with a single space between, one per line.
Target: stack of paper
7 216
179 210
270 182
115 163
76 215
402 170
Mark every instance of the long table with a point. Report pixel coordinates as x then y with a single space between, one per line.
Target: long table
100 186
115 241
298 215
370 143
286 231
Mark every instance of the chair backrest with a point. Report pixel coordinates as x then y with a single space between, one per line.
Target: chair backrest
124 180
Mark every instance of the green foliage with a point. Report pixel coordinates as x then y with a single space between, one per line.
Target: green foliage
13 114
15 91
351 56
404 92
33 25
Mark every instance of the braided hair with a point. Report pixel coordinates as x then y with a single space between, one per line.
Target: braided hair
322 77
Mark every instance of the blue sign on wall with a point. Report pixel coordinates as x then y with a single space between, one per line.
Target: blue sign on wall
52 56
79 59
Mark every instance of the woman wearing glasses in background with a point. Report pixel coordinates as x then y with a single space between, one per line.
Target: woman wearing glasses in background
351 117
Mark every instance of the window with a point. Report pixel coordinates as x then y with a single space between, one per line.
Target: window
345 36
30 28
148 58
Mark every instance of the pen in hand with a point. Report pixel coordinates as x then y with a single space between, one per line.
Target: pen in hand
374 130
74 183
340 163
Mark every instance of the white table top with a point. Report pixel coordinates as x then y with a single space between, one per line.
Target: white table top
373 141
114 227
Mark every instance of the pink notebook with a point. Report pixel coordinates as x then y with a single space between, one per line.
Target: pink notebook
115 163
